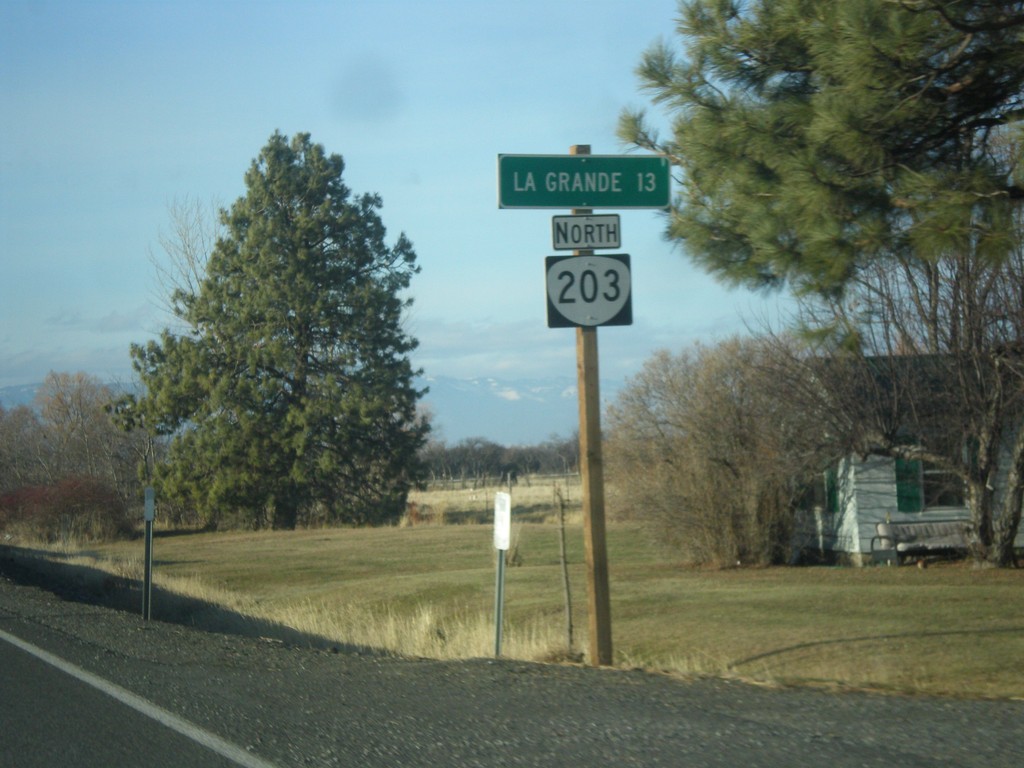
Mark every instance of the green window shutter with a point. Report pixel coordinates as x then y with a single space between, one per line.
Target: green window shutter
832 490
909 495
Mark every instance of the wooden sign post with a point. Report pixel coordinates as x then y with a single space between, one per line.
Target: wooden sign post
587 295
592 476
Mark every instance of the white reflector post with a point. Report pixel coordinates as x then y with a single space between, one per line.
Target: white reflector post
502 520
502 535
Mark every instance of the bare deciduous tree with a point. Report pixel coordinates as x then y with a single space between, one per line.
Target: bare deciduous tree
186 247
67 467
927 363
701 449
23 458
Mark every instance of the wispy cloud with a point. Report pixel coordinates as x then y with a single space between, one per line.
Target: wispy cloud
110 363
132 320
65 318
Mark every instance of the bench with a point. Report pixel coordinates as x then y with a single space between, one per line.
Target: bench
894 540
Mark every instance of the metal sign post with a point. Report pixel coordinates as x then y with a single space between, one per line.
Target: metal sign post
502 538
147 580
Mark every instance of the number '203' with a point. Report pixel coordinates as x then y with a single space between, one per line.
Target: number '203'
590 286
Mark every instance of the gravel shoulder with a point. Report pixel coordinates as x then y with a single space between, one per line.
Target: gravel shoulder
298 706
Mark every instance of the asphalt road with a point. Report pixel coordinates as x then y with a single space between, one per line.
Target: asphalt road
291 706
52 719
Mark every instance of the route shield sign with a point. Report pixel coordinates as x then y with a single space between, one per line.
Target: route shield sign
583 181
588 290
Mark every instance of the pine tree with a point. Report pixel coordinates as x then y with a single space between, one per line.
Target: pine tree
290 397
868 154
814 136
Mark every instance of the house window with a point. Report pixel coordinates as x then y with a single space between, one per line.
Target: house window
921 486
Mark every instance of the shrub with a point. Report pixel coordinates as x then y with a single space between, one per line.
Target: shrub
704 451
75 509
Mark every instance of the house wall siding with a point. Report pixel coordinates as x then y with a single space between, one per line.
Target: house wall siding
846 538
875 497
867 496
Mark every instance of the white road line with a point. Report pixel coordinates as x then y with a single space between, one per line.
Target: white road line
209 740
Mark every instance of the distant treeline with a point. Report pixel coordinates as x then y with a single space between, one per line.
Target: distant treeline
68 472
477 461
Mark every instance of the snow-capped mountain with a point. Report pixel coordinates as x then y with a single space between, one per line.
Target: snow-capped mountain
506 411
22 394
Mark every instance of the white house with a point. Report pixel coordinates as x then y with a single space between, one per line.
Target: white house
860 494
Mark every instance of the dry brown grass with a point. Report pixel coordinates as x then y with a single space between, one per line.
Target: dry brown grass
536 501
428 590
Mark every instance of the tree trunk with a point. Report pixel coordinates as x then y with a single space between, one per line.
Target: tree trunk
980 503
286 513
1004 533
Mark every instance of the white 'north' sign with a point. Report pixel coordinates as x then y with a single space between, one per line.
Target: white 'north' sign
569 233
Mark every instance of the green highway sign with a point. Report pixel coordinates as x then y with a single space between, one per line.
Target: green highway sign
583 181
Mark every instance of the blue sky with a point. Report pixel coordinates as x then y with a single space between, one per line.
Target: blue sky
110 112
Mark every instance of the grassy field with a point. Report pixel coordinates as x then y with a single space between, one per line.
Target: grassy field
428 590
535 499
